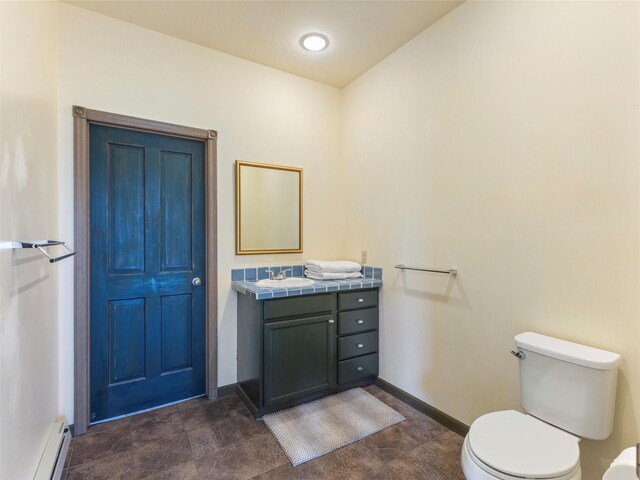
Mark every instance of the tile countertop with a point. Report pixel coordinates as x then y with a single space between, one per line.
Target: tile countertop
244 281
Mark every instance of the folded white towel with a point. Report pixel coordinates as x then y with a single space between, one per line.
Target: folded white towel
311 268
337 266
331 275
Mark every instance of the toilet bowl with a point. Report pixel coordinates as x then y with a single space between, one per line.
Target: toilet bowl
568 391
510 445
625 466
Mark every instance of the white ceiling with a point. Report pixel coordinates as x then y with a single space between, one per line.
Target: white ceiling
361 32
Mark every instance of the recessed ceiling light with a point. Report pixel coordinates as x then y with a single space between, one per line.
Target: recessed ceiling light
314 42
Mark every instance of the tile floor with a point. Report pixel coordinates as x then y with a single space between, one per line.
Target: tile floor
202 439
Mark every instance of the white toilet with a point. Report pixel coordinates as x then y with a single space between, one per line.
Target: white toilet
569 393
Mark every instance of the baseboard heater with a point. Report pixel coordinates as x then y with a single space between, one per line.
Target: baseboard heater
55 452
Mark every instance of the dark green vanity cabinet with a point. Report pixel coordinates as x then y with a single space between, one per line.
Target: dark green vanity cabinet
357 336
298 357
295 349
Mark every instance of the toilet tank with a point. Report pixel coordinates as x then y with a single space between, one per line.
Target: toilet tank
568 385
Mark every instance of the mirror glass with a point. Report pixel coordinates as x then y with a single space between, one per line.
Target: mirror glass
268 208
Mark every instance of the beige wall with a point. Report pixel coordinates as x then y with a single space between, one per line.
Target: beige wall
261 114
504 141
28 189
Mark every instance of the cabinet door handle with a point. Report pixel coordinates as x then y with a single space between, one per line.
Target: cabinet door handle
359 369
359 345
360 321
360 300
331 321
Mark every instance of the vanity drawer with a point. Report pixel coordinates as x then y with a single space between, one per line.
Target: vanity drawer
359 299
357 368
357 321
298 306
355 345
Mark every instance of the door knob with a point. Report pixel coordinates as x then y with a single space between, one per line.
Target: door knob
196 282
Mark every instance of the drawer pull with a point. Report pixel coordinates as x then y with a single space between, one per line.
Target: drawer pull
359 321
331 321
359 369
359 345
360 300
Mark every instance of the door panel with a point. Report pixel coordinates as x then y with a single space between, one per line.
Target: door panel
126 201
176 332
175 197
299 358
147 244
127 340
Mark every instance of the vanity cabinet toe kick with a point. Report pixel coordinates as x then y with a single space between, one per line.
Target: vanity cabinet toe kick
297 349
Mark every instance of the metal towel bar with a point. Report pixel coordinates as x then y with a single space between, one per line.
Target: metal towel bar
452 272
42 244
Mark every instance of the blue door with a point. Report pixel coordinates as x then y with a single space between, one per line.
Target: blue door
147 254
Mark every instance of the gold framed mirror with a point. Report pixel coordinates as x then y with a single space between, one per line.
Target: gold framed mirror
268 208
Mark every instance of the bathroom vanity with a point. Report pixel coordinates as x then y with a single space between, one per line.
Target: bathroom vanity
297 345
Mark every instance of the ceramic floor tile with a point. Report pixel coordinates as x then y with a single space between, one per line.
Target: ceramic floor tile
156 427
184 471
311 470
219 439
238 427
204 442
422 428
438 459
214 436
176 407
390 443
122 424
144 417
159 455
116 466
444 452
235 405
242 460
353 462
93 447
249 426
194 402
204 413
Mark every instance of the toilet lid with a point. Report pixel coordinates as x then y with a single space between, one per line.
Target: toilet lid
523 446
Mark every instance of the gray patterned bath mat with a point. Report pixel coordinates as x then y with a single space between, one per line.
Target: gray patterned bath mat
313 429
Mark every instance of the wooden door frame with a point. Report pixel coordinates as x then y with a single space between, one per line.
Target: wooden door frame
82 119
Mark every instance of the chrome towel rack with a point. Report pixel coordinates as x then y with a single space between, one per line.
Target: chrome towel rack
452 272
42 244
